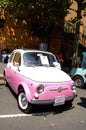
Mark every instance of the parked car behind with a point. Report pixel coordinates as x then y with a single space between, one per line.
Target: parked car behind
36 78
79 74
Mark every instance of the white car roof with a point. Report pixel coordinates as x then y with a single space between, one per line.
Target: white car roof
30 50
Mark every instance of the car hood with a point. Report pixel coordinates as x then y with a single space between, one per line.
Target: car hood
45 74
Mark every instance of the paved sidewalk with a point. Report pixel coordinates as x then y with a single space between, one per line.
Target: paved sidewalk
1 79
1 75
2 66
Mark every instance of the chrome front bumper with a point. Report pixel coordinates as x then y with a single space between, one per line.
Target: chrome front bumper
49 101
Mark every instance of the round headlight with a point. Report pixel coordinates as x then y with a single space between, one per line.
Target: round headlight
40 88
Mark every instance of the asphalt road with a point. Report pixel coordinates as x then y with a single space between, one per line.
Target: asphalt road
42 117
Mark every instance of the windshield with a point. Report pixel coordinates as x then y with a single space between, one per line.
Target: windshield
38 59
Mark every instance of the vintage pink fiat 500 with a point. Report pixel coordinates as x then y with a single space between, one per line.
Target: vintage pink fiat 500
35 76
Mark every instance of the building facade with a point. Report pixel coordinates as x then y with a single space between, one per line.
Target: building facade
15 33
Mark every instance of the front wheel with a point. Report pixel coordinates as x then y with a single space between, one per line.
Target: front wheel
79 81
23 103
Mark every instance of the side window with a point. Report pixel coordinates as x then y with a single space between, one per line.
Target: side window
51 58
17 58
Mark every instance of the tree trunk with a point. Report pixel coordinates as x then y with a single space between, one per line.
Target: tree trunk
76 41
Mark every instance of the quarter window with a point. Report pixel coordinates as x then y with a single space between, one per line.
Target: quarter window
17 58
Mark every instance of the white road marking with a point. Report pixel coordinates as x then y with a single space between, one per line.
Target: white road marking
15 115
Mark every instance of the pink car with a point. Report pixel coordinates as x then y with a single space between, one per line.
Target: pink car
35 76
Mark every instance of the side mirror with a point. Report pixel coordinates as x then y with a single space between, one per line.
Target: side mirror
16 64
57 64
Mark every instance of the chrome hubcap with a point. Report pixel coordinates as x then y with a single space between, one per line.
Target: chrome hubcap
23 101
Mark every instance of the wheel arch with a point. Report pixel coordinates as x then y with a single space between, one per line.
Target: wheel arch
25 88
79 76
80 82
20 88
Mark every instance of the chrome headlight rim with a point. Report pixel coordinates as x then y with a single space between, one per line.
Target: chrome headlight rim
40 88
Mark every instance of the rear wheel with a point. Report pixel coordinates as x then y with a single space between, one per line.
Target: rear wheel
79 81
23 104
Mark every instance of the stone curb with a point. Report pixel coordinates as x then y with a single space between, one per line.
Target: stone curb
1 75
1 79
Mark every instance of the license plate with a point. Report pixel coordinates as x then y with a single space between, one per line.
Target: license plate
59 100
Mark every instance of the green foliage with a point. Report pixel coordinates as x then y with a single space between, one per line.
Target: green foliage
3 3
41 15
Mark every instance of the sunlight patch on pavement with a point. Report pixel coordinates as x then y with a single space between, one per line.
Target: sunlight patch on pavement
15 115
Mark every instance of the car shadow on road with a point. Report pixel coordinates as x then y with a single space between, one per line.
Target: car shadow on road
83 102
1 84
45 110
83 99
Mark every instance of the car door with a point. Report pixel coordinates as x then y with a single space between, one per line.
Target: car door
8 68
14 71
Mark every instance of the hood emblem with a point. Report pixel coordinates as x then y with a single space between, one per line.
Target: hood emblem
59 89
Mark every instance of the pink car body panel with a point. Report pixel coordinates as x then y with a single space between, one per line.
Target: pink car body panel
50 89
53 86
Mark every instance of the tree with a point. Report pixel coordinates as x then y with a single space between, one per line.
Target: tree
42 16
3 3
81 12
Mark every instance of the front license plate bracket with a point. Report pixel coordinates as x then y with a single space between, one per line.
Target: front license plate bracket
59 100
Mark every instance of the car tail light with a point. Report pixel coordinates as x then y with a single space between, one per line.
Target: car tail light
40 88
